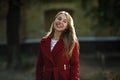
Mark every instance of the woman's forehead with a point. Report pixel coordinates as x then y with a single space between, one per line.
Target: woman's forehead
62 15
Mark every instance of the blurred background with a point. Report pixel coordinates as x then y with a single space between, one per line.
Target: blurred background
24 22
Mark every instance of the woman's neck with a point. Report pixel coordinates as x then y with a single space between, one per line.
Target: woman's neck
56 35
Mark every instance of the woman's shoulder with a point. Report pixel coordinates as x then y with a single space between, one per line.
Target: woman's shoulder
45 38
77 44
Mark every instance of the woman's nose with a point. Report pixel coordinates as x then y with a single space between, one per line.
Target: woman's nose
61 21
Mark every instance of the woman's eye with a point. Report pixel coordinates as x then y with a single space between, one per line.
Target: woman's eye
59 18
65 21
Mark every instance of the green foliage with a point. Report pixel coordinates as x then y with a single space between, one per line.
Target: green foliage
110 12
107 13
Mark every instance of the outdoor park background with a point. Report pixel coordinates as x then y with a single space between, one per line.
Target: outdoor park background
24 22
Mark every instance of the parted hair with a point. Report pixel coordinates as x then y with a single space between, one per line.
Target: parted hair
68 35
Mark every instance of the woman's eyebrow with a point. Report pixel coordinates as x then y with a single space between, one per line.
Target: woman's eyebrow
61 17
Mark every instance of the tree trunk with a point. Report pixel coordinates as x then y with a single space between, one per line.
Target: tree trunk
13 23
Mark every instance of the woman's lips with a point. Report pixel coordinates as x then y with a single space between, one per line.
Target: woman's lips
59 25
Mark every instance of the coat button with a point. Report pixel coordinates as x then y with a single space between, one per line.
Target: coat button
65 67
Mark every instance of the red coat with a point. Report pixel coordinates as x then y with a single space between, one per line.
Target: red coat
55 62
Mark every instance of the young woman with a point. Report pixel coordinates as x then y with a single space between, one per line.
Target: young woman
58 57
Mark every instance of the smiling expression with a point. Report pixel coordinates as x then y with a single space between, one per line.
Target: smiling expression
60 23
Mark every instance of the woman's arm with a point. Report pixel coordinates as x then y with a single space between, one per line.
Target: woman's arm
74 64
39 66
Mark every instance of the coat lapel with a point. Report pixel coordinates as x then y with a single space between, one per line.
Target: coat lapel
58 47
46 46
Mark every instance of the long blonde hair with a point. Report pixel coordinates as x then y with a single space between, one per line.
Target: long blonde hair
69 35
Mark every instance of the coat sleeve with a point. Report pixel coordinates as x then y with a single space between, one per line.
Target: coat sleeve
74 64
39 65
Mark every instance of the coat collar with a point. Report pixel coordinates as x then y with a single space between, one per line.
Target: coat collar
58 47
47 47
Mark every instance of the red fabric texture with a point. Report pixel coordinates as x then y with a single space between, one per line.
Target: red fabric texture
49 62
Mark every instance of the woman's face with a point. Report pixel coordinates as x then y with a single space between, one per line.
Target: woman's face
60 23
